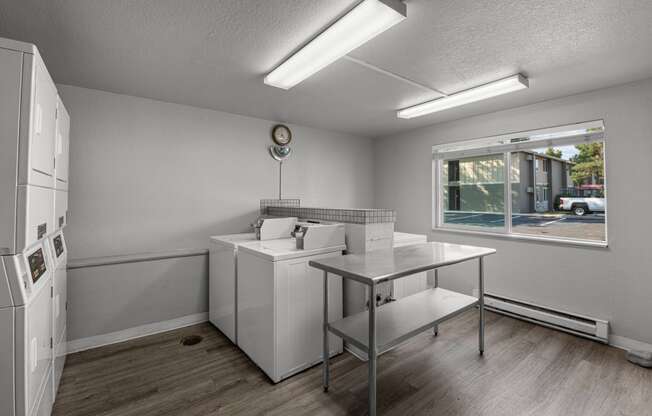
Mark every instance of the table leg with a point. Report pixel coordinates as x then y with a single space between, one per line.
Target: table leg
325 351
481 306
435 329
372 350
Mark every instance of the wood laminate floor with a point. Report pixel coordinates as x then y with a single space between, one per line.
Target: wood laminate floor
526 370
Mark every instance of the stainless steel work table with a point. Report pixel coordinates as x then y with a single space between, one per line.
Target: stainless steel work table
382 328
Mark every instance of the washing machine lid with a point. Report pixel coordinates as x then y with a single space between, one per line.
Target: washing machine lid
233 240
283 249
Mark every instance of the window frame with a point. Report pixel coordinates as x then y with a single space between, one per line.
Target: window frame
506 230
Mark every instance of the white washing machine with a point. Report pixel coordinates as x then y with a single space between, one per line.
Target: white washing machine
59 256
280 305
223 271
26 384
223 283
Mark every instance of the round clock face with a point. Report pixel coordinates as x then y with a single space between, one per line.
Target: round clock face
281 135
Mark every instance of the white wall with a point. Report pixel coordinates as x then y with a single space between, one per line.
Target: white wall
147 176
613 283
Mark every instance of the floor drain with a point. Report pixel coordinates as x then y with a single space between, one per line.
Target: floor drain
191 340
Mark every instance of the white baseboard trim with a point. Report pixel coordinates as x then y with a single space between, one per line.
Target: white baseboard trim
83 344
628 344
96 341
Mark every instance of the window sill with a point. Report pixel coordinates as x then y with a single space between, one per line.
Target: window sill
523 237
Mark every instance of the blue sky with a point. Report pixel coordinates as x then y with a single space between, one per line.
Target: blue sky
566 151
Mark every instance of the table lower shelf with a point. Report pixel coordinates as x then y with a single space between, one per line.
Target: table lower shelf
400 320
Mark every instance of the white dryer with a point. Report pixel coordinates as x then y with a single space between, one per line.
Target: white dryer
59 255
25 324
34 127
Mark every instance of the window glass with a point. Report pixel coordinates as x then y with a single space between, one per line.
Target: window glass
473 191
568 201
557 186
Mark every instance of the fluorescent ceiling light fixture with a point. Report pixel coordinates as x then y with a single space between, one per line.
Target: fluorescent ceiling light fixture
362 23
492 89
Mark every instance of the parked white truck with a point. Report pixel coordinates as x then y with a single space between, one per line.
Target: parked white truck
581 205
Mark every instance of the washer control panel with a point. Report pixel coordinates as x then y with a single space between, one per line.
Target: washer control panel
36 262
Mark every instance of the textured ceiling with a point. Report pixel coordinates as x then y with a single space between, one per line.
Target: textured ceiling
215 53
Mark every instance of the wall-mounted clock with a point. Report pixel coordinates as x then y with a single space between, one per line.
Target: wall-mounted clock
281 135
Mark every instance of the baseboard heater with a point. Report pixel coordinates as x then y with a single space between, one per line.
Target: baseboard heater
595 329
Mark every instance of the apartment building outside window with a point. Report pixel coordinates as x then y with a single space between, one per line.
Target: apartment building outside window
544 184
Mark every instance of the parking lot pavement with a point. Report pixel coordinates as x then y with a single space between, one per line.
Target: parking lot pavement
540 220
474 219
589 227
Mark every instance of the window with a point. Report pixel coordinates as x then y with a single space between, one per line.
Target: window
542 164
543 184
474 188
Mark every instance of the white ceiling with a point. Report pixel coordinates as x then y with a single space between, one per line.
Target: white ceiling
215 53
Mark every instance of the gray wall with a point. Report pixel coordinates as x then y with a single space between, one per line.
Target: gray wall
117 297
613 283
147 176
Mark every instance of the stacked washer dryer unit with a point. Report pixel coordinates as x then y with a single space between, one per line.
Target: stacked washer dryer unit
59 256
33 212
